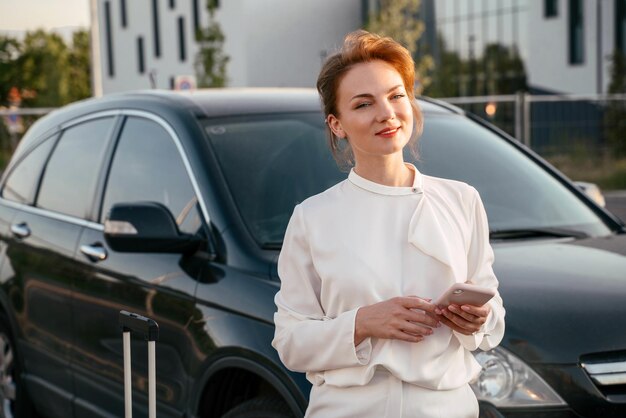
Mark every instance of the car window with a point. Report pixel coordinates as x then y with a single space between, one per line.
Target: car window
273 162
22 182
70 176
148 167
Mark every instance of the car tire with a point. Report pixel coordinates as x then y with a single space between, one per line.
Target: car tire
261 407
14 400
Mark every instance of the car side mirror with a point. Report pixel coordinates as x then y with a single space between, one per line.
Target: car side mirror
145 227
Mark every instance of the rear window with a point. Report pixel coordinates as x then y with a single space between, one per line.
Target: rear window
22 182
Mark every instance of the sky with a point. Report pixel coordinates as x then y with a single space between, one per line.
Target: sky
22 15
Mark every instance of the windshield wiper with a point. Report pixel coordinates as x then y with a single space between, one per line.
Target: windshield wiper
535 233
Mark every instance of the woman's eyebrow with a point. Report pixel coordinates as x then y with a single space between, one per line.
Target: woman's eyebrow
371 95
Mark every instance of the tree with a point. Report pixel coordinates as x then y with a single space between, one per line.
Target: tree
79 67
399 19
615 116
42 65
499 70
446 80
10 51
211 61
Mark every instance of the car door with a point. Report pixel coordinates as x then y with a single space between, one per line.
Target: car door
147 165
40 260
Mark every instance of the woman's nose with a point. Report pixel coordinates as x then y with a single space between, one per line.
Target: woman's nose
385 112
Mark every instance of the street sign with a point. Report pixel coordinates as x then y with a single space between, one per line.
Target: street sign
185 82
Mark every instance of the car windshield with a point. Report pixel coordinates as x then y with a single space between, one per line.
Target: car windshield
273 162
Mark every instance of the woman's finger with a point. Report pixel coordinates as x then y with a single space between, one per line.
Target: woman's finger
465 315
461 322
416 329
482 311
454 326
421 318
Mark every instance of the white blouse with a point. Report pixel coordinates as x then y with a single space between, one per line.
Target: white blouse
359 243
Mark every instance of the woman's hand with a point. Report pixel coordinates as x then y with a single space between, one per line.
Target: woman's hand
396 319
466 319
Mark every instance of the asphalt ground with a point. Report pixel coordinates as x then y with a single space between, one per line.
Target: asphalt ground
616 203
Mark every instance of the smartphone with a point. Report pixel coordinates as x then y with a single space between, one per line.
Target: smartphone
465 294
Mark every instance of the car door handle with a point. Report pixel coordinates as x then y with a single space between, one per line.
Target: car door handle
20 230
95 252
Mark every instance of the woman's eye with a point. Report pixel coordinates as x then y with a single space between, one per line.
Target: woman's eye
361 105
398 96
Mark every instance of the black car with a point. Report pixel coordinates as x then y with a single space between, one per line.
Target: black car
174 206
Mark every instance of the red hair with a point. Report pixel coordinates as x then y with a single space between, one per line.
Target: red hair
358 47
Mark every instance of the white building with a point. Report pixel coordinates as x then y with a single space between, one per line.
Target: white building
565 44
570 43
141 44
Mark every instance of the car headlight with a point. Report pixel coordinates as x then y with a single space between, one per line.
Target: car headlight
507 381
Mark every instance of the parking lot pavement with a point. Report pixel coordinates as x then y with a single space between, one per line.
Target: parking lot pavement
616 203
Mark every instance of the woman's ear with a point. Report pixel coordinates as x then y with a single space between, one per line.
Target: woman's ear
335 126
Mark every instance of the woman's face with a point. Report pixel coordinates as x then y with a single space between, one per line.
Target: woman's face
375 113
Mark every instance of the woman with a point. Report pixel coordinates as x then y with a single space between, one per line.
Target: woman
361 262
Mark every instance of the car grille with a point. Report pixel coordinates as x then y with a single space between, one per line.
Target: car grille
609 376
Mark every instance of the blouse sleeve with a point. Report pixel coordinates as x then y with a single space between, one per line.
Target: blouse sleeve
480 272
305 338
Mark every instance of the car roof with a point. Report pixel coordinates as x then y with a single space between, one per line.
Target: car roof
240 101
202 103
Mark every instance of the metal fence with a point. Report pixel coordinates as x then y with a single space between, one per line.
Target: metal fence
555 124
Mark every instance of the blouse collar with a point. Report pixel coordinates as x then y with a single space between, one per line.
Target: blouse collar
378 188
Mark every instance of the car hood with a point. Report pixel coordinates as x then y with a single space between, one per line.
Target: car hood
564 298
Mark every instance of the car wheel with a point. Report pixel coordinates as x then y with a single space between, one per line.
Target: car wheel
13 401
261 407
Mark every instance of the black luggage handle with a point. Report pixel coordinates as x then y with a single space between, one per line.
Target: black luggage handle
137 323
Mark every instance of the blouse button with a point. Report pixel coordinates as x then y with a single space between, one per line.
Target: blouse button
414 189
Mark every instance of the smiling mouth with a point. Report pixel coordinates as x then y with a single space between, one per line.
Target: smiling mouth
388 131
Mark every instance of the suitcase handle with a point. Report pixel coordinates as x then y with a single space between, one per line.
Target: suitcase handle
134 322
150 329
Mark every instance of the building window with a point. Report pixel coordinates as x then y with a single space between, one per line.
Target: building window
109 37
550 8
196 16
182 55
155 28
123 13
576 32
620 25
141 64
172 4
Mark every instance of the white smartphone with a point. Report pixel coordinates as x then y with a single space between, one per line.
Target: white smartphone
465 294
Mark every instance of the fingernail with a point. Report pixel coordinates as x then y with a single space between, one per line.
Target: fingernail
465 308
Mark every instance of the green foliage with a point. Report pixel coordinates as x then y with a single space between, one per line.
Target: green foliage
210 60
10 50
46 71
399 20
42 63
615 116
79 67
498 70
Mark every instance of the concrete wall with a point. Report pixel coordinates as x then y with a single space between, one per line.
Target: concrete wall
548 63
270 43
